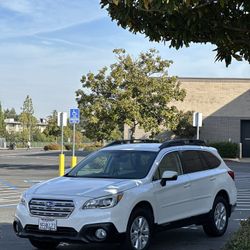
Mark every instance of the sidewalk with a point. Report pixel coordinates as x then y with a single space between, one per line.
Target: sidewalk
242 160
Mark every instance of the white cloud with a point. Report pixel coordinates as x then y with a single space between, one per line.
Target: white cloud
20 6
37 16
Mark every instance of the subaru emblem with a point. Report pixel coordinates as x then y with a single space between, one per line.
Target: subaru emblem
49 204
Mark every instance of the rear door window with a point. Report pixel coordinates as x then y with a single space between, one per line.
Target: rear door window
192 161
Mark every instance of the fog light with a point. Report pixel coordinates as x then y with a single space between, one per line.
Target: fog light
101 234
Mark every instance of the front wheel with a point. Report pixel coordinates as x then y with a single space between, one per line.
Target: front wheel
218 218
44 244
139 230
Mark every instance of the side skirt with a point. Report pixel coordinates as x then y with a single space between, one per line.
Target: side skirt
197 220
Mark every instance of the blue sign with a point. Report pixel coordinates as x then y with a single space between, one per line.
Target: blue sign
74 116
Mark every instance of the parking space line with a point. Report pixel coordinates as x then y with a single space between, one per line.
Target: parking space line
10 196
8 205
8 184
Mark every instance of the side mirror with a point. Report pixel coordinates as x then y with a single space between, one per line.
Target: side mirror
168 176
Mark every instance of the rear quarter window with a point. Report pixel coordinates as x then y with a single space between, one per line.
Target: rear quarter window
211 160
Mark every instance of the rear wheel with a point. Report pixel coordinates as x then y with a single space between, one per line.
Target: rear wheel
139 230
44 244
218 218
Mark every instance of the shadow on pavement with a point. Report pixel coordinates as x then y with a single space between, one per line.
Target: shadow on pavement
56 153
180 239
9 241
28 166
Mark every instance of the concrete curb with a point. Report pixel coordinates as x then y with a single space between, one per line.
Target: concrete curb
242 160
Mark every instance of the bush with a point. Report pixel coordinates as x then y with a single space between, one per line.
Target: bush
226 149
68 146
92 147
241 239
52 146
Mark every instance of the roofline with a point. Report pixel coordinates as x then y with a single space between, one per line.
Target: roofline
213 79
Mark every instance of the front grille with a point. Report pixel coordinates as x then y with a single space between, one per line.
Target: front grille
51 208
61 231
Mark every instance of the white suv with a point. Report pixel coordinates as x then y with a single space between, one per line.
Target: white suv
126 192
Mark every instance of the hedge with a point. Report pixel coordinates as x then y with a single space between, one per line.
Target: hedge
52 146
226 149
92 147
241 239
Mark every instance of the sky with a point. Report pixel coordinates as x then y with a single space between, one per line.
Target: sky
47 45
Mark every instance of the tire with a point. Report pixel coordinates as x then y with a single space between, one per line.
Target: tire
44 244
139 230
218 218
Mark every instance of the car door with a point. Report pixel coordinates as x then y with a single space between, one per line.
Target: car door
201 179
173 200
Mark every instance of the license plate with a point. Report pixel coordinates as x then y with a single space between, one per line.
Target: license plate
47 224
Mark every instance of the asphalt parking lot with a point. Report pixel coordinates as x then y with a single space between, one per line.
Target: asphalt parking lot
20 169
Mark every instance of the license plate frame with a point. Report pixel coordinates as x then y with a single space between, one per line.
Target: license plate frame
47 224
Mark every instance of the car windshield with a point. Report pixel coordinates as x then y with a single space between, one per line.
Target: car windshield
117 164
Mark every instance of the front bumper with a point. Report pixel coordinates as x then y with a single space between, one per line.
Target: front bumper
68 234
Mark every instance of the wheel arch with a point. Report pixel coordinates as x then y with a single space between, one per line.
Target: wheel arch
144 205
223 193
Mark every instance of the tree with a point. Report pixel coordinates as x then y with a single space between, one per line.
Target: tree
27 119
52 130
224 23
2 124
11 113
136 92
184 128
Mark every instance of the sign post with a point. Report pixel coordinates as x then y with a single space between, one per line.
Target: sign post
74 118
61 122
197 122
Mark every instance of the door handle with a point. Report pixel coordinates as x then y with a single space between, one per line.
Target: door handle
187 185
212 178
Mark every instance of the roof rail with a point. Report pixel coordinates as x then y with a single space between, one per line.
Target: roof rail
120 142
182 142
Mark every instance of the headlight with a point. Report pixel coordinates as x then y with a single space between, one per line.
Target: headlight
103 202
23 199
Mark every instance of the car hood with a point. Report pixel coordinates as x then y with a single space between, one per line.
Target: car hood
85 187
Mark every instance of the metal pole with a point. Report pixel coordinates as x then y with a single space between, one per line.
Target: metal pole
240 150
74 138
74 158
198 133
61 156
61 118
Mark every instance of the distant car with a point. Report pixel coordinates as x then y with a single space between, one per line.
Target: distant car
126 192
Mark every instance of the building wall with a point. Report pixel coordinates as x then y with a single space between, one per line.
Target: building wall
216 97
223 103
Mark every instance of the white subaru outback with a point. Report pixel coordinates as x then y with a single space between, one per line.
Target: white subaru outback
126 192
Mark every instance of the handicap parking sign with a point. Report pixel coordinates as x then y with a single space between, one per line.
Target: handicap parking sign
74 116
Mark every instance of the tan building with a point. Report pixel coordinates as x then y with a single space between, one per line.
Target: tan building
225 105
13 126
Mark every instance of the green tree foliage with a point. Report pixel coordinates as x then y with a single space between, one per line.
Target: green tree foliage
224 23
27 119
185 128
39 136
52 130
11 113
136 92
2 124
